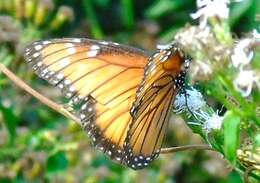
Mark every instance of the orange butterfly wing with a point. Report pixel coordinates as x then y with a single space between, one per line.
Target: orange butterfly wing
124 107
164 76
103 76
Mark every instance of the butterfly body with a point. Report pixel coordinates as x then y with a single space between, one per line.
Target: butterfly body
125 95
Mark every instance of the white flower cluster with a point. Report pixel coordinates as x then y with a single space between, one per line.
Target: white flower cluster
211 8
191 101
242 54
196 40
241 58
193 104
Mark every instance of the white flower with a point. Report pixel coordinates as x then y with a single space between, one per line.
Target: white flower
244 82
241 53
192 101
209 121
195 106
205 67
213 122
211 8
256 34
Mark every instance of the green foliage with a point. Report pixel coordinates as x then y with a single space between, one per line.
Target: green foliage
164 7
57 162
10 120
231 136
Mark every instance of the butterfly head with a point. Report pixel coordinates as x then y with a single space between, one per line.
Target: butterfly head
174 59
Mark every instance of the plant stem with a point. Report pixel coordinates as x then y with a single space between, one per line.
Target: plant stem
57 107
185 148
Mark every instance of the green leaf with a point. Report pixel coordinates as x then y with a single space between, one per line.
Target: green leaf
233 177
231 135
102 3
238 10
257 140
10 120
127 13
57 162
160 8
91 16
169 34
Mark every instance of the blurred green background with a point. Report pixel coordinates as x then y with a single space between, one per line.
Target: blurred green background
39 145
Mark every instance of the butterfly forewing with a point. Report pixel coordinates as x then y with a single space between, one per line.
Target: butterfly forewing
103 76
151 110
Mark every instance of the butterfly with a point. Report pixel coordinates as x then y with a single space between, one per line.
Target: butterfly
125 95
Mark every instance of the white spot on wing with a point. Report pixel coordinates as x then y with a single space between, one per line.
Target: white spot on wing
64 62
27 51
60 86
46 42
94 47
38 47
92 53
72 89
71 50
69 44
104 42
60 76
39 64
76 40
67 82
36 54
45 71
84 106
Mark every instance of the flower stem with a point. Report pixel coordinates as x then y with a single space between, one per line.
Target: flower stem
57 107
186 147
